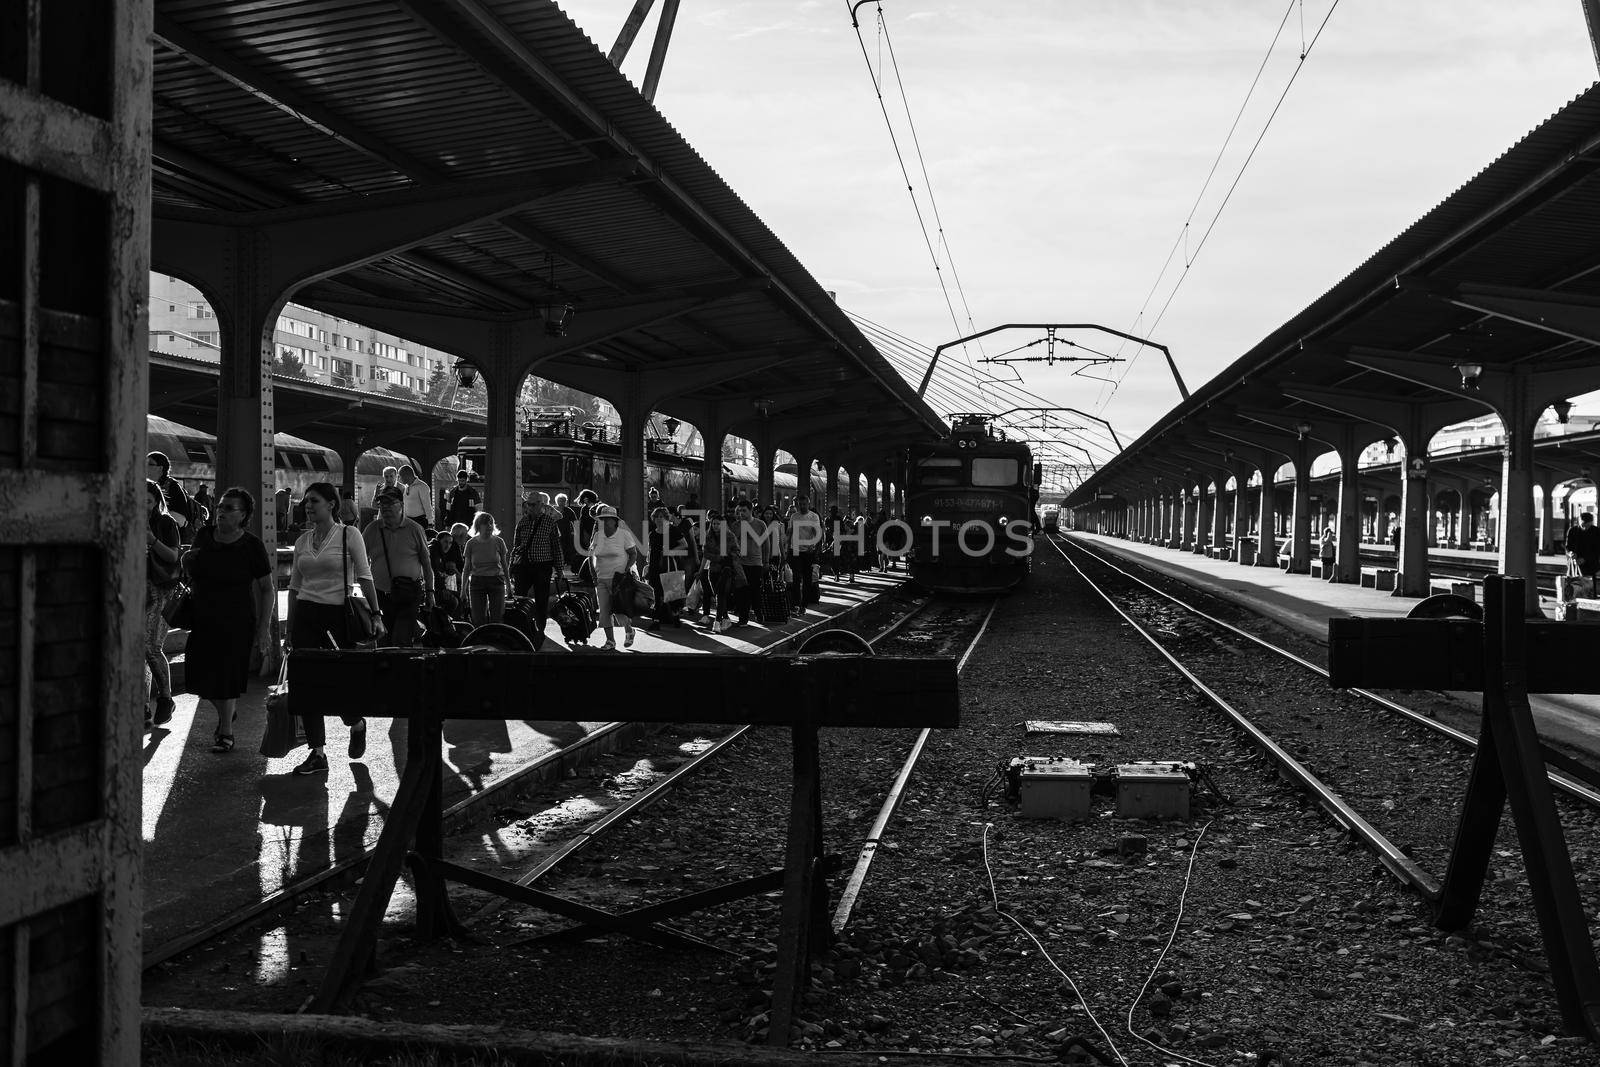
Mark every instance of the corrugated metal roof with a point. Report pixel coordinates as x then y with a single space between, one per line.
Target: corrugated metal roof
1530 219
286 102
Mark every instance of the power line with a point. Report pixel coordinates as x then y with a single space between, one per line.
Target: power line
1195 255
894 141
1183 231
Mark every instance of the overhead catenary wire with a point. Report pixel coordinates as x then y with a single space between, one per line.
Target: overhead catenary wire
922 224
1183 231
907 357
1191 257
901 351
953 389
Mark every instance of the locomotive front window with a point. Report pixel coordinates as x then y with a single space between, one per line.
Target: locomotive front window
994 470
938 470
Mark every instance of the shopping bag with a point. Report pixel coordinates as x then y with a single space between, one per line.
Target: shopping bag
284 733
691 601
673 586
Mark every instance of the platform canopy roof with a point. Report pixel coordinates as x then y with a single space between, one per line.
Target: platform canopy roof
319 114
1503 275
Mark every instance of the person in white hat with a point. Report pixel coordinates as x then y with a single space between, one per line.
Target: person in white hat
615 551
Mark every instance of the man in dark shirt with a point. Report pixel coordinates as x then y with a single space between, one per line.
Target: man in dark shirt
157 468
464 502
1583 545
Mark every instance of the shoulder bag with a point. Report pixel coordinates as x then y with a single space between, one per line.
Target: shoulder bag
358 613
404 591
283 733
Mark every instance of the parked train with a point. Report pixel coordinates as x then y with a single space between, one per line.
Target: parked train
969 502
562 455
297 462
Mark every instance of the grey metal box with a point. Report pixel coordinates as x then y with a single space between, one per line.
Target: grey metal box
1152 791
1056 789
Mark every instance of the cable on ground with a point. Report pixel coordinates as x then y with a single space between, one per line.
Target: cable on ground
995 897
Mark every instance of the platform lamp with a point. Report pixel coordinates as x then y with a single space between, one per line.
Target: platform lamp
466 374
1563 409
1470 373
672 425
1303 429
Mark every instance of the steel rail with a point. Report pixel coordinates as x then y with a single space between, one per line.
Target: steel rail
1571 786
351 868
891 803
1394 860
640 801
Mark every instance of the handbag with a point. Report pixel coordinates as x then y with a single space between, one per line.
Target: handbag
691 601
788 574
405 591
284 731
673 586
179 609
359 625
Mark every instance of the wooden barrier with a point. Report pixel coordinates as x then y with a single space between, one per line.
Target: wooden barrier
429 686
1506 657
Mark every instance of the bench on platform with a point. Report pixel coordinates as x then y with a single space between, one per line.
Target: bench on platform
1458 586
1588 610
1380 578
1319 569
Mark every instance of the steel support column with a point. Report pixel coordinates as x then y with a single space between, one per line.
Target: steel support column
1300 521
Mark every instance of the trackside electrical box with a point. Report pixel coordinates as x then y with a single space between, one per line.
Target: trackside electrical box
1152 791
1055 789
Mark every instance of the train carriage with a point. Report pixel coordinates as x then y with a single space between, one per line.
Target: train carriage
562 455
296 462
969 502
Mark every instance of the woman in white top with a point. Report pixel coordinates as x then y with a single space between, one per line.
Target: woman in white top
615 551
484 564
327 557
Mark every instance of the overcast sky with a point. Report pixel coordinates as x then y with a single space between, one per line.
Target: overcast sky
1067 141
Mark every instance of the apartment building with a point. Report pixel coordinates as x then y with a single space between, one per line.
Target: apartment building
326 348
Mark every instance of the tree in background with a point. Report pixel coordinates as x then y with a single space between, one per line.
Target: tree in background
289 366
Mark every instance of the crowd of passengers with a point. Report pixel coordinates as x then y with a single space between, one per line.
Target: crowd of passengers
732 559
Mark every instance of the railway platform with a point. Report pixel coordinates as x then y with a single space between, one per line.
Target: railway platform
224 833
1305 604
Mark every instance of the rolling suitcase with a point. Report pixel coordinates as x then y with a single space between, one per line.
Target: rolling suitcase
572 613
521 613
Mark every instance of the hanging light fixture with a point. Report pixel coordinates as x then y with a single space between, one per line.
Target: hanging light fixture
556 311
466 374
1389 444
762 405
1470 373
1303 429
1563 408
672 425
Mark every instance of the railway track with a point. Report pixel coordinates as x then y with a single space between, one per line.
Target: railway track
1381 771
932 627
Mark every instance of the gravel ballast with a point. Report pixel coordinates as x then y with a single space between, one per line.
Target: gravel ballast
977 925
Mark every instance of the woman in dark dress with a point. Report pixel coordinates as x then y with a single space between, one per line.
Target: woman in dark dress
231 581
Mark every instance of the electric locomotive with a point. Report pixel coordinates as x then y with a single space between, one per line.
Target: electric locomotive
969 503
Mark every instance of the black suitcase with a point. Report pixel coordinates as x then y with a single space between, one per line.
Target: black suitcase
572 613
520 612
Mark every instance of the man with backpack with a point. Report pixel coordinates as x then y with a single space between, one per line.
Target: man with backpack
157 468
